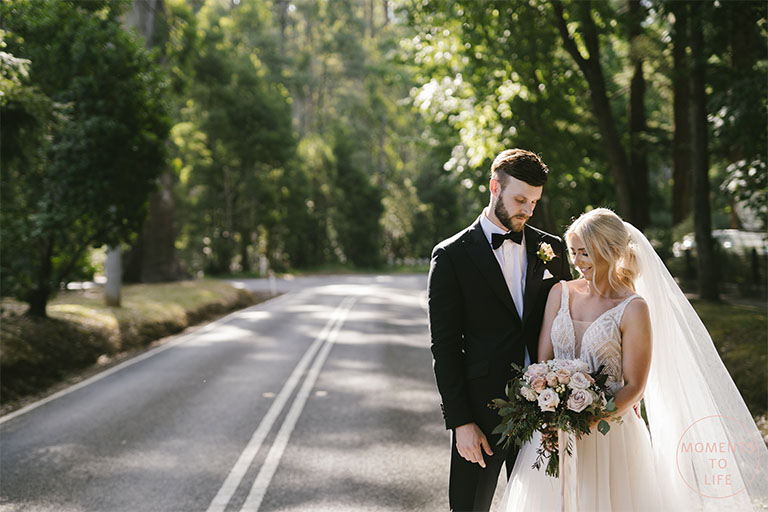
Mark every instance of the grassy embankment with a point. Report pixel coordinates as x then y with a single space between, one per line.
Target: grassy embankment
82 335
740 334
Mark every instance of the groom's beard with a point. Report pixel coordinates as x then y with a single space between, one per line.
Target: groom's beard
512 223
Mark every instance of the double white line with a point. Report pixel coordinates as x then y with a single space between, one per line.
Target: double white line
323 343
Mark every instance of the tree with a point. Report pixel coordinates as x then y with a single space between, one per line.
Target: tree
241 119
737 107
358 206
88 181
681 149
496 73
638 149
592 69
702 217
152 257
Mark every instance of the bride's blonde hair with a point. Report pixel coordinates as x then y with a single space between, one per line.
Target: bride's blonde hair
604 233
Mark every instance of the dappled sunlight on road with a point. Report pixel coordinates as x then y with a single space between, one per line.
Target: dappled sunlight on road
224 333
339 373
254 315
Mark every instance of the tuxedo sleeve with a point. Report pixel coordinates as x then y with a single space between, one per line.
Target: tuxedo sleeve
446 321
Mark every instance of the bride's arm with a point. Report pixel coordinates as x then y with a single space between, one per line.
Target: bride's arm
546 351
635 354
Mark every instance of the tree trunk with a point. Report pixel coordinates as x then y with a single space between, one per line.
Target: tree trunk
245 242
282 15
681 142
745 50
380 158
39 295
158 250
638 159
702 217
601 107
141 16
385 5
153 257
371 9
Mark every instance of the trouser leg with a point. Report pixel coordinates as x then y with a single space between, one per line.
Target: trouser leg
471 487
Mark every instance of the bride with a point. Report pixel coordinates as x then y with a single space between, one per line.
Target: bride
700 450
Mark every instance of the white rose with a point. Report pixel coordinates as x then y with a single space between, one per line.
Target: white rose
578 381
548 400
528 394
579 400
580 366
557 364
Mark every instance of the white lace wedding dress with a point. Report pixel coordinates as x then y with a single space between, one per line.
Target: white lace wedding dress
613 472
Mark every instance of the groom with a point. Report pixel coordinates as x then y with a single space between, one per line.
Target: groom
488 285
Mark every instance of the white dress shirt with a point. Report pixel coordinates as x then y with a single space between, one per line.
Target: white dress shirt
513 262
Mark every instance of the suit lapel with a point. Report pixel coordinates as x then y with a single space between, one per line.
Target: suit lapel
535 270
482 255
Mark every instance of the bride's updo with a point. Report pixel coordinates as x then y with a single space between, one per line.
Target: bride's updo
604 233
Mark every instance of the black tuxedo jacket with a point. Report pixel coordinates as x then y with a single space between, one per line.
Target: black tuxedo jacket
475 329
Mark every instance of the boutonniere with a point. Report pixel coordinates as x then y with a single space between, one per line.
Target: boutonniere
545 252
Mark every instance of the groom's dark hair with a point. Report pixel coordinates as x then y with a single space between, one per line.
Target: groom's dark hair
520 164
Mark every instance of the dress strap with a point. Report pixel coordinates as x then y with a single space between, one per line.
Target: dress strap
619 311
563 295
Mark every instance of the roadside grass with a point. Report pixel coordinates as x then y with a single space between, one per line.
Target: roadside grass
81 332
740 334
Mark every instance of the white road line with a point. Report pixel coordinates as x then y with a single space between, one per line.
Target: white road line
246 458
267 470
146 355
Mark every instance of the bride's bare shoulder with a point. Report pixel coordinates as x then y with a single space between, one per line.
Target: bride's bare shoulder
577 284
636 313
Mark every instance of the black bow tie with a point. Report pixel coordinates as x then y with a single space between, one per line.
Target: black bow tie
497 239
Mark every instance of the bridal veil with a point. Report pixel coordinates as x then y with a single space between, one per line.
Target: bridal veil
708 453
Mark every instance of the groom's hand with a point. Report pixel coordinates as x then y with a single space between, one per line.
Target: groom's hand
471 442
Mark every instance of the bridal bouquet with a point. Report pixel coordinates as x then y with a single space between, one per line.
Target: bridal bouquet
556 394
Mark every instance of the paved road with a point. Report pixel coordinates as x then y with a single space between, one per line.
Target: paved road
320 399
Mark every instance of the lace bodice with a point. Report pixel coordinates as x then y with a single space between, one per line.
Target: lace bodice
601 341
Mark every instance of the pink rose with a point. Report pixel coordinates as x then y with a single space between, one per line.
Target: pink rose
579 400
536 370
579 381
552 379
539 384
563 376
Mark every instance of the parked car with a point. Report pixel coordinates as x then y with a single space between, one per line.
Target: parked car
742 259
730 240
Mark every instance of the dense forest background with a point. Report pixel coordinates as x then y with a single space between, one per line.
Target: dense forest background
224 136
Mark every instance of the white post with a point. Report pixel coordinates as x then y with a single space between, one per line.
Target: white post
272 283
114 270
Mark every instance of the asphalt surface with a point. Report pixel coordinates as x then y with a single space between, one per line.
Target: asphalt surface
320 399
